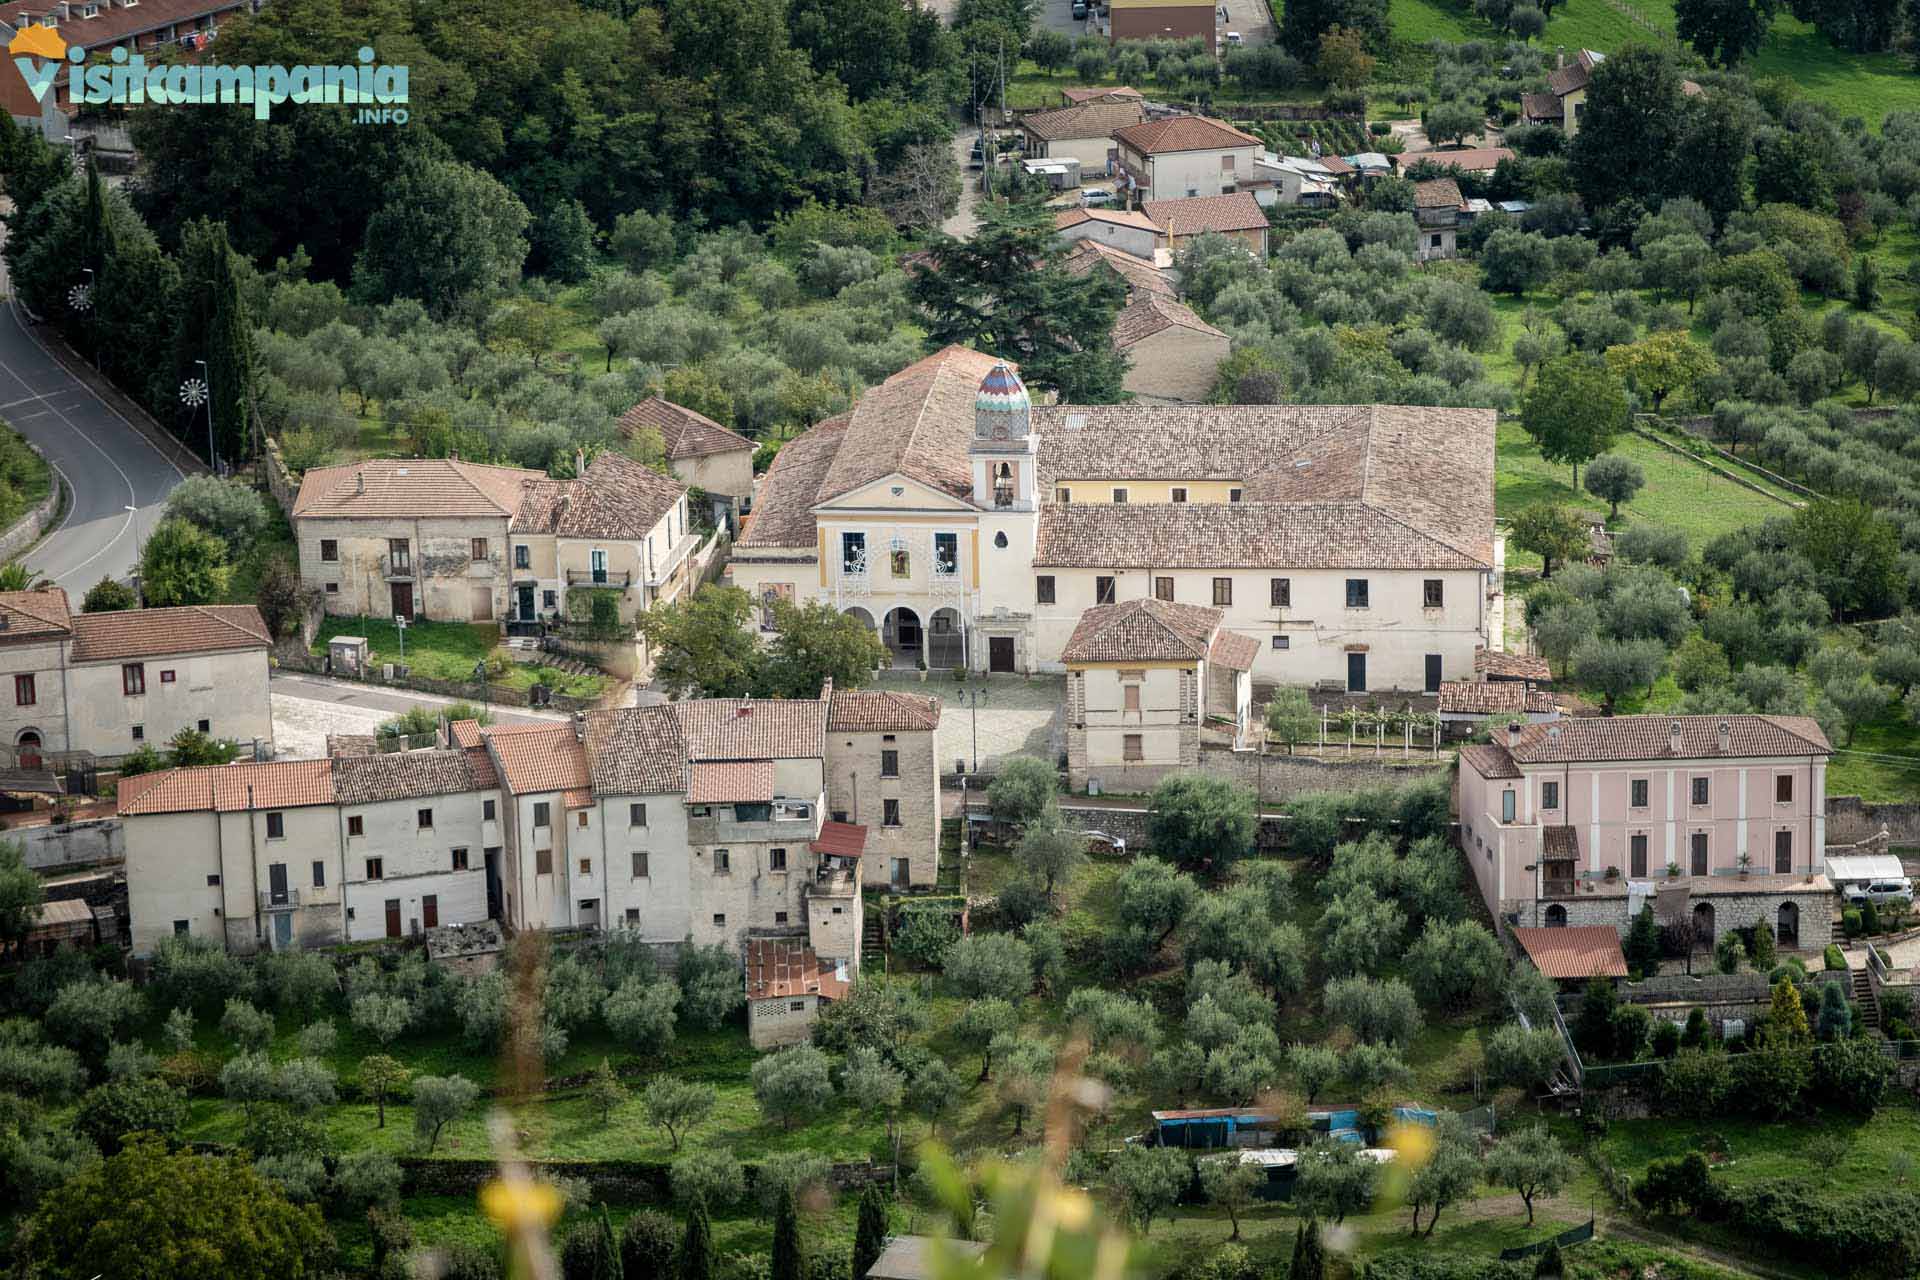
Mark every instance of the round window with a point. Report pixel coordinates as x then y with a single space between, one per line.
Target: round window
1000 541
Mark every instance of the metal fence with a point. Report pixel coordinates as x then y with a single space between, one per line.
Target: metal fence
1572 1235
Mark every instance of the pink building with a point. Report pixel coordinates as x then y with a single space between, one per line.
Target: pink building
1578 822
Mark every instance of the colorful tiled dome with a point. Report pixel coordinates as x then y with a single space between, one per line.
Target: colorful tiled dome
1002 410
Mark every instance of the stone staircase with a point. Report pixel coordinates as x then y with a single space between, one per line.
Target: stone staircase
1863 996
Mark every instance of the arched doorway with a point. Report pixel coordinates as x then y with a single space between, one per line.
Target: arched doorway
1556 916
1703 925
1788 930
946 640
27 747
857 612
902 634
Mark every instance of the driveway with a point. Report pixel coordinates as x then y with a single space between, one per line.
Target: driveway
965 219
1015 715
307 708
116 479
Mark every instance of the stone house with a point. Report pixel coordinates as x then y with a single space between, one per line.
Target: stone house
1180 157
968 526
701 453
1083 133
1127 230
1238 216
1142 678
1172 354
420 840
1582 821
1436 211
882 744
107 683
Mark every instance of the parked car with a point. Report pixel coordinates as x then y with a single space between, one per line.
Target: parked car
1099 842
1235 39
1097 197
976 159
1881 891
1080 10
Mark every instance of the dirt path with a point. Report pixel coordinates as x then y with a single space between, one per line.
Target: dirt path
1630 1230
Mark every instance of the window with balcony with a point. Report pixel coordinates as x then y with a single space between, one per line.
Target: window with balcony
1433 594
1356 593
889 764
1103 592
133 678
1222 592
853 553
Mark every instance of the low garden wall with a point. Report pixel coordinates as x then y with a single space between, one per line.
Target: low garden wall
291 659
621 1181
26 531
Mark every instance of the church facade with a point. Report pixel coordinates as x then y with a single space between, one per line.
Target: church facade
971 527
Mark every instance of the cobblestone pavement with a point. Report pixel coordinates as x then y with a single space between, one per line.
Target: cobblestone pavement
1017 715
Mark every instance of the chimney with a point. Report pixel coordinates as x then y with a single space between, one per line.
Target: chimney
579 726
1724 732
1673 738
1513 734
1559 57
579 462
359 482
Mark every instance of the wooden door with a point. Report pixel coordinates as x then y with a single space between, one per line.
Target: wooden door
482 602
277 883
430 911
402 600
1000 653
393 917
1433 673
1356 673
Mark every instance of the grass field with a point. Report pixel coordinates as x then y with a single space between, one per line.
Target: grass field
446 651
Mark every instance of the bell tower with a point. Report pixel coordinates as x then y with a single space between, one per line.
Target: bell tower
1004 449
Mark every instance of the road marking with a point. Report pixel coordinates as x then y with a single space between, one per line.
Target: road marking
124 477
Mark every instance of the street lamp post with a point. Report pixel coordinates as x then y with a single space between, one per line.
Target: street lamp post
193 394
139 552
974 698
213 459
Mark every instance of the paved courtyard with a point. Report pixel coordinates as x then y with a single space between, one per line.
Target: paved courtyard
1017 715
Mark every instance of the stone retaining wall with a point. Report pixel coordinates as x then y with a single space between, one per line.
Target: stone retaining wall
27 529
621 1181
1731 910
292 659
72 844
1851 819
1279 778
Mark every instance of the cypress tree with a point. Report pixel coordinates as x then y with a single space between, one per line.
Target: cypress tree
606 1253
214 326
786 1238
1309 1258
870 1234
696 1247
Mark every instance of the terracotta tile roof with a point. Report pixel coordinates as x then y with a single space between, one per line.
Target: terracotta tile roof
1095 120
1498 662
577 798
352 744
1466 159
25 614
1560 842
1087 256
616 498
1489 760
881 711
152 633
1580 951
783 506
1240 535
917 423
539 758
410 487
777 970
1118 217
480 764
730 782
1436 193
1142 631
685 434
1196 215
1149 313
288 784
115 23
636 751
1651 737
1335 165
1091 94
465 733
402 775
840 839
1489 697
1184 133
1541 106
1579 70
1234 651
749 729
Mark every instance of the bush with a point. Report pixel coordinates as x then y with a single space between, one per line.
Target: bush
1834 958
1696 1082
1381 1012
1675 1184
710 1176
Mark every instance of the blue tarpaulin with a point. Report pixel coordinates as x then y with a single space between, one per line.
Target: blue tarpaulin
1416 1115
